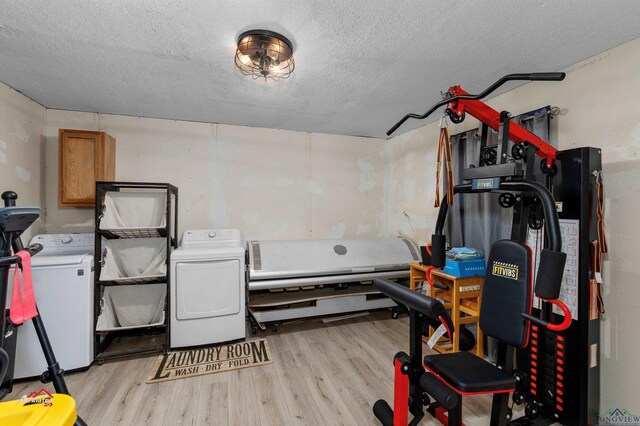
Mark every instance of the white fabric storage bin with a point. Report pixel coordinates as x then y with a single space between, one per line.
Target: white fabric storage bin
134 258
132 306
134 210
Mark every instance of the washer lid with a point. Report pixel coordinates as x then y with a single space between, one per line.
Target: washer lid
64 244
40 260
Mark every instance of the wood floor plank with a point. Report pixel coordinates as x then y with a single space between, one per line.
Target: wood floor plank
273 403
302 409
358 384
183 405
213 404
129 393
321 374
153 408
332 409
243 405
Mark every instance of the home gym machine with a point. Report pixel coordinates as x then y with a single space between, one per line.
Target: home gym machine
548 335
14 221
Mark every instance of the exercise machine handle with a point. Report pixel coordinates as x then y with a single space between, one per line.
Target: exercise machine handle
551 326
536 76
11 260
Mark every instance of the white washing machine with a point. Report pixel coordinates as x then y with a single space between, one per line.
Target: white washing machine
207 288
63 285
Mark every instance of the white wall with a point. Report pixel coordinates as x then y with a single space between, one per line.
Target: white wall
600 101
271 184
22 123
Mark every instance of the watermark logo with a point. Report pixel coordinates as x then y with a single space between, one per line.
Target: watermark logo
618 416
37 397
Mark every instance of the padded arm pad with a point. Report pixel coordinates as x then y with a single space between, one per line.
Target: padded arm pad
431 308
550 274
438 250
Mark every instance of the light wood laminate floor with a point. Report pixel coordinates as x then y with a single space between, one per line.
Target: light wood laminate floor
322 374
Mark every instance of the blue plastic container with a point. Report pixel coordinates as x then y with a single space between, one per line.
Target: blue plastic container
465 268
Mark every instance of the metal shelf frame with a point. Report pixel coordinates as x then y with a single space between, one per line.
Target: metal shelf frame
103 339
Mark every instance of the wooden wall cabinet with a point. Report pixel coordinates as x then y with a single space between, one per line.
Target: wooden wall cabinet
84 157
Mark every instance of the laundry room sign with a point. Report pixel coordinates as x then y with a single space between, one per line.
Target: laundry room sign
197 362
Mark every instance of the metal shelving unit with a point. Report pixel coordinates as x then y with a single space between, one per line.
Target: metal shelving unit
140 340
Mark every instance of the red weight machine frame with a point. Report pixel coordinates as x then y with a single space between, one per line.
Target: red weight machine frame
459 102
491 117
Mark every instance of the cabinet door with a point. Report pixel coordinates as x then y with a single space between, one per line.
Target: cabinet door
105 159
84 157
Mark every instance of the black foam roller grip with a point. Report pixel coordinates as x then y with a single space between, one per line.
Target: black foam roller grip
438 250
383 412
427 306
547 76
444 395
550 274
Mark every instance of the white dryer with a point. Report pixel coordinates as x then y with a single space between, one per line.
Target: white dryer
207 288
63 285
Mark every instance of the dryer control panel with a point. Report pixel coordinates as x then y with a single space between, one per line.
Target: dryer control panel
211 238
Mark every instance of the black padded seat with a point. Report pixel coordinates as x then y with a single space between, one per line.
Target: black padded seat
468 373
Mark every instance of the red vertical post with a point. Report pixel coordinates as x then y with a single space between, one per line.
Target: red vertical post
400 396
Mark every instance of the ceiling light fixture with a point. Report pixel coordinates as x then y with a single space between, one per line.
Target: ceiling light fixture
264 54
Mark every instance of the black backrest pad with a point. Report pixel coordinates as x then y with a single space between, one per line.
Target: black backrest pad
507 292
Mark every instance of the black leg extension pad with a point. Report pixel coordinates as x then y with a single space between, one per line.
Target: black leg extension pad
445 396
383 412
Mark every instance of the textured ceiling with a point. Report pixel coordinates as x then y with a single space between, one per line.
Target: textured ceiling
360 64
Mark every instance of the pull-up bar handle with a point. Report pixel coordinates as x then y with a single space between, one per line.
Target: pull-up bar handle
535 76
